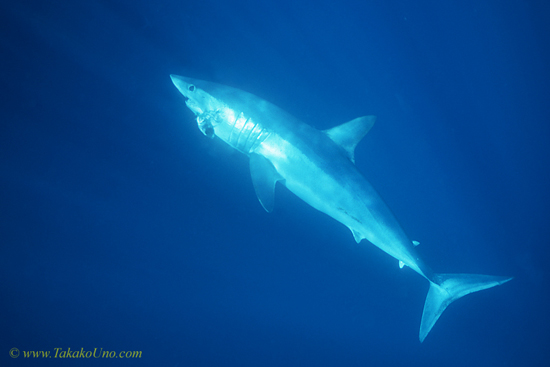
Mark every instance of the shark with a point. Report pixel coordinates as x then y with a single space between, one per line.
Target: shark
318 166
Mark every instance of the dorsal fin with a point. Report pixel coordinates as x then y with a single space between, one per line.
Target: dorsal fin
349 134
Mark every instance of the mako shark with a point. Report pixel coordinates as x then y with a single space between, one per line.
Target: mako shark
319 168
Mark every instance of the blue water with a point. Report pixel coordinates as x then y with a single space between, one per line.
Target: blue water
122 227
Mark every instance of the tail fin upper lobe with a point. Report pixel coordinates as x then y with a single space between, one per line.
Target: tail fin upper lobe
450 287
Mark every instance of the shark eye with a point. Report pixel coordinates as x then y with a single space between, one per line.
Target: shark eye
191 88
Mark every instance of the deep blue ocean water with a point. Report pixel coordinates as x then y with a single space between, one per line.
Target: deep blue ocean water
123 228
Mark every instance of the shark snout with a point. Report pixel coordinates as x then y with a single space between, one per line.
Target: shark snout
183 86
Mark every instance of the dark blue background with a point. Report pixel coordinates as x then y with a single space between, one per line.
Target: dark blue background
122 227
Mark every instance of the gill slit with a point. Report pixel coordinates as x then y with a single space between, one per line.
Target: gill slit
244 143
233 128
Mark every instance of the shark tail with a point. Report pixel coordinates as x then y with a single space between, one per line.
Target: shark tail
447 288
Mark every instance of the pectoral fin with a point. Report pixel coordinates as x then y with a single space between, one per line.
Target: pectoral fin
264 178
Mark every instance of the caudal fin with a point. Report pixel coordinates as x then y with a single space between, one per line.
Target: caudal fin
451 287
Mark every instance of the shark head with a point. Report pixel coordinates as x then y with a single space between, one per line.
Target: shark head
202 103
223 111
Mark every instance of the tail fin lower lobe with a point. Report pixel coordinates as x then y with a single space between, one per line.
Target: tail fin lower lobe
450 287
